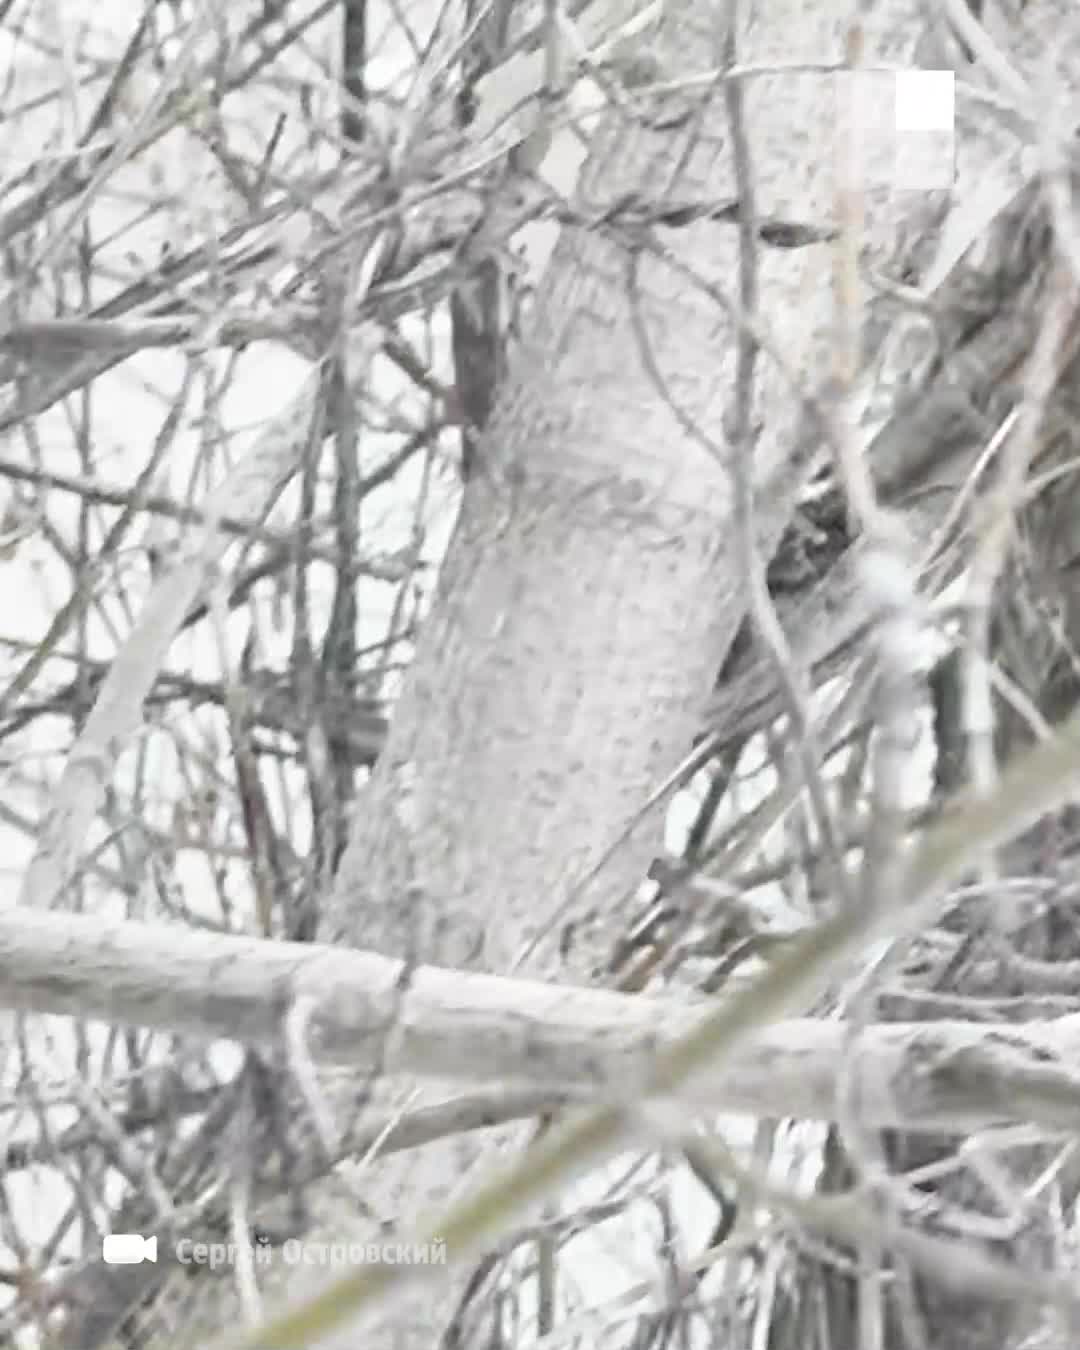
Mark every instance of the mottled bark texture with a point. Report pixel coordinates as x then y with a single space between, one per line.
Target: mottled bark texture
591 590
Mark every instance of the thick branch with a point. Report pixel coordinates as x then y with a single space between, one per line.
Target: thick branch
944 1076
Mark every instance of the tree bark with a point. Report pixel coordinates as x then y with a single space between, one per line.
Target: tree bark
592 589
578 1042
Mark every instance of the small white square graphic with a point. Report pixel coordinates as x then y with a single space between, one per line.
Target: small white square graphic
925 100
925 145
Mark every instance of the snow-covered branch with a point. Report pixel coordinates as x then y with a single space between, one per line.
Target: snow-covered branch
944 1075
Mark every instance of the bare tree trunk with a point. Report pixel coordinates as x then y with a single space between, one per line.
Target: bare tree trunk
590 592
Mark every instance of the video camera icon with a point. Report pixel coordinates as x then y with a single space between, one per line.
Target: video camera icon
128 1249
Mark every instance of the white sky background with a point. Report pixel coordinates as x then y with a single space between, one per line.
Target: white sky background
131 402
129 405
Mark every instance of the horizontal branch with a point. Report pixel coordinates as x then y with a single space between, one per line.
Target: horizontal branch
945 1075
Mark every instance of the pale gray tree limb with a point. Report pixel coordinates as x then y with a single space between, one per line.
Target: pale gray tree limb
950 1075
